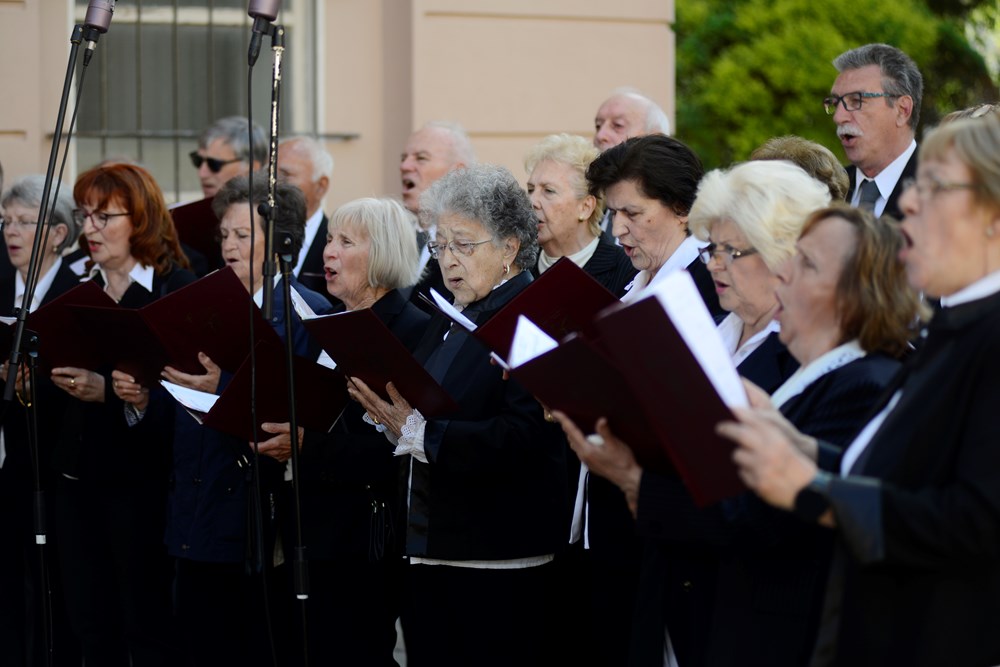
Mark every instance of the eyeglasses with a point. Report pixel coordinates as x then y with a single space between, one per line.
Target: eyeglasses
850 101
98 219
465 248
726 254
7 223
930 187
215 165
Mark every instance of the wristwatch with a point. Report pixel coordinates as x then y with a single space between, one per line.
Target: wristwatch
814 499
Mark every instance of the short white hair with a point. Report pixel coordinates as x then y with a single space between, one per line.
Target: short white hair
768 201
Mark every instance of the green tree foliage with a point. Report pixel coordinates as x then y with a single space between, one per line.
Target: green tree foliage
748 70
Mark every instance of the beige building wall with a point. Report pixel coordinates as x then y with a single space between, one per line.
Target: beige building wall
511 71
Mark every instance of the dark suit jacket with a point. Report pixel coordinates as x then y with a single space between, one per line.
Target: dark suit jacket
921 535
209 482
51 401
892 203
609 265
706 287
431 277
681 546
350 476
494 487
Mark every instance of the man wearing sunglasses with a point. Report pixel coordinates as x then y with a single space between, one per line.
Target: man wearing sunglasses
875 103
224 152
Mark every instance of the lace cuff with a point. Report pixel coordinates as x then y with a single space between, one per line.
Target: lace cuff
411 440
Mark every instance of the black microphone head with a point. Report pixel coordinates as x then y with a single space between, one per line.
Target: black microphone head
264 9
99 15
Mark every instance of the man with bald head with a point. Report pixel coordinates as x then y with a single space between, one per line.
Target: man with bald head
306 164
627 113
431 152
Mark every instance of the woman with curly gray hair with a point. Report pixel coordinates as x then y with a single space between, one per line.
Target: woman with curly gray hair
484 493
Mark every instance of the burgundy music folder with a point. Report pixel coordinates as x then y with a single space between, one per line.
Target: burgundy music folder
210 315
63 342
675 393
363 347
563 300
320 395
198 228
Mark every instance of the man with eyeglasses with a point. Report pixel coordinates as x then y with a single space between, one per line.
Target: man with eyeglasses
875 103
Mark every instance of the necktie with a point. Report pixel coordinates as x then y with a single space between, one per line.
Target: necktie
869 195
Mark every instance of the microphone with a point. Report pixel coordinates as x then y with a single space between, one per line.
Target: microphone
99 15
262 12
96 23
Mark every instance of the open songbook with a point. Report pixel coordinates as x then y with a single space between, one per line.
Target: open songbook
320 396
563 300
660 373
363 347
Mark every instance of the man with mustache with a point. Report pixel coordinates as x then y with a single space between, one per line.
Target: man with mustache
875 103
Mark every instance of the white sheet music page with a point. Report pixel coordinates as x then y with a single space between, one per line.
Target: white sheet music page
451 311
529 342
193 400
679 297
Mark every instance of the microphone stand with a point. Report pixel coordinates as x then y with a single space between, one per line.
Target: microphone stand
299 564
278 46
26 340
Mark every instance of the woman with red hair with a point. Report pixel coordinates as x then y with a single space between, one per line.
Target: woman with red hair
113 466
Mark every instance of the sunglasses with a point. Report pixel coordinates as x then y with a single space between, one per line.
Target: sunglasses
214 164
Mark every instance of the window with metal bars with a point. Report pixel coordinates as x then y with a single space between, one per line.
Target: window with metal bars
168 68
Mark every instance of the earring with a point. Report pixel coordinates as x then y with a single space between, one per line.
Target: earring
581 218
506 269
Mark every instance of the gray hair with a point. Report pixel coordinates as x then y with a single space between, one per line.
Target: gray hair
321 159
900 75
27 192
768 201
393 260
577 153
461 146
289 206
490 195
233 131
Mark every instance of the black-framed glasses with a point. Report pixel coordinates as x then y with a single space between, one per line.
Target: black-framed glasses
931 186
215 165
726 254
465 248
99 219
850 101
7 223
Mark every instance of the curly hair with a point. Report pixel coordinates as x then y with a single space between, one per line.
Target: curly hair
153 241
490 195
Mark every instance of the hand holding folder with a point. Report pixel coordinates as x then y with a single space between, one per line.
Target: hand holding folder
658 371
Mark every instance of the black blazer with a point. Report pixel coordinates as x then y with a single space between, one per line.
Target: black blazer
95 443
431 277
681 546
706 287
609 265
892 203
350 476
495 486
921 535
51 401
